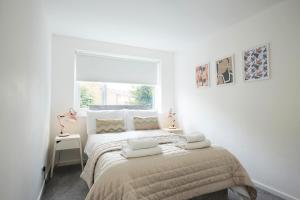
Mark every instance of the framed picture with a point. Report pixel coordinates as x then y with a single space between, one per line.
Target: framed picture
202 75
225 70
257 63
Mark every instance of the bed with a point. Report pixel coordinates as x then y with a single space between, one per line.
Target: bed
174 174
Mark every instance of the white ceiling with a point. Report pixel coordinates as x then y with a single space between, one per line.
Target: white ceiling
158 24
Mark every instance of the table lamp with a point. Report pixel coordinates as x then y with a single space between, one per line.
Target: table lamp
171 116
71 115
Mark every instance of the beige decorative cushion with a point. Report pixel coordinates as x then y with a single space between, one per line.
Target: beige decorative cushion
145 123
109 125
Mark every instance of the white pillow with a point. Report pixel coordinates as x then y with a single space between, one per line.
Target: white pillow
92 115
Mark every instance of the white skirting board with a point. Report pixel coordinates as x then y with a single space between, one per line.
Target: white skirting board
42 190
274 191
70 162
61 163
43 186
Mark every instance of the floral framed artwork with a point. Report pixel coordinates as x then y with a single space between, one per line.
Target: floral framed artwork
202 75
257 63
225 70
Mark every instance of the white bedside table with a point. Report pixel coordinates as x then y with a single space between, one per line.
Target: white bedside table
174 130
72 141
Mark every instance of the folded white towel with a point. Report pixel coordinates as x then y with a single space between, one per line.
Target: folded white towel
142 143
194 145
194 137
129 153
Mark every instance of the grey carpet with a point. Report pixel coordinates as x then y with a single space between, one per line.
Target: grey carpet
67 185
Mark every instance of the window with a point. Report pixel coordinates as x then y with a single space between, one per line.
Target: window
97 93
113 81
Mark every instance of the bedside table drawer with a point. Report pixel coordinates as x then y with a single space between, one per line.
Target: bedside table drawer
67 144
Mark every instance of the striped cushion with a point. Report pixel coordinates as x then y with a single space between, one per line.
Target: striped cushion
145 123
109 125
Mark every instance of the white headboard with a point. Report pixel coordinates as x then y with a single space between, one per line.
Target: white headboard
92 115
126 115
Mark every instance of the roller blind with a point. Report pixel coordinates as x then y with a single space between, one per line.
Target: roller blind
111 69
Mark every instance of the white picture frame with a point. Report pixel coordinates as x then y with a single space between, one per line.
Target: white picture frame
254 66
225 73
202 72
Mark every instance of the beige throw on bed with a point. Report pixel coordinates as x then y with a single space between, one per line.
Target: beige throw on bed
175 174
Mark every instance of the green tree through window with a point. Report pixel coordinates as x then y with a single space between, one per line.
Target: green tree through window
86 98
142 95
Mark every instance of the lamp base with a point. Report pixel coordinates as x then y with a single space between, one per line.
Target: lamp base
64 134
172 127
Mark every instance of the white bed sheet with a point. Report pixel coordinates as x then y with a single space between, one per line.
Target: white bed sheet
95 139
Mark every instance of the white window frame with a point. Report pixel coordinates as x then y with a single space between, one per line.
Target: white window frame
157 104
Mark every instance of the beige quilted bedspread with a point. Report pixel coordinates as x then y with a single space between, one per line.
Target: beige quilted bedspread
175 174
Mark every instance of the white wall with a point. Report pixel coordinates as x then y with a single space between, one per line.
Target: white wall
259 121
62 97
25 98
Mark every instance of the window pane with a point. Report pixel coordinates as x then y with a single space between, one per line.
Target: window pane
143 95
91 94
95 93
118 94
